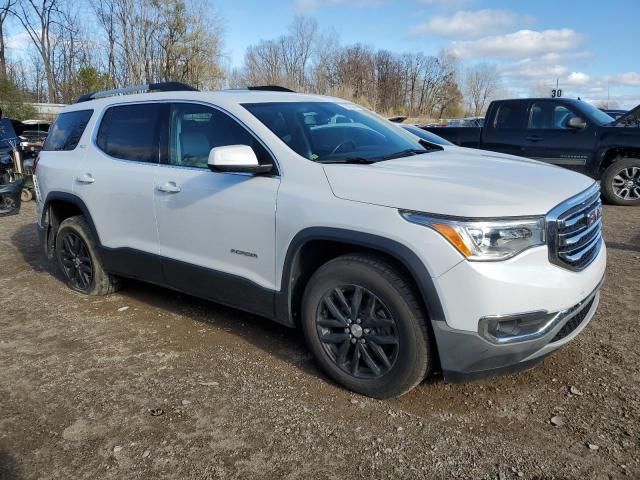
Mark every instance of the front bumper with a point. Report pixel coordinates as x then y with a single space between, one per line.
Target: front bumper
466 356
473 290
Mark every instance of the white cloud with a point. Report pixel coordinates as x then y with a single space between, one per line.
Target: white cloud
469 23
19 41
522 43
311 5
533 69
628 78
578 78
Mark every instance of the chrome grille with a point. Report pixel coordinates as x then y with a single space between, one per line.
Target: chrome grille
574 230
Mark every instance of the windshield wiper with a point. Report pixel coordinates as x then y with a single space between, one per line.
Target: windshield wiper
403 153
350 160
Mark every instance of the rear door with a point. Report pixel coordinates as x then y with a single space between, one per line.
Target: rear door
549 138
116 182
506 130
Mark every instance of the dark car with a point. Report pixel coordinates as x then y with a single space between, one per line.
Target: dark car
426 135
569 133
615 114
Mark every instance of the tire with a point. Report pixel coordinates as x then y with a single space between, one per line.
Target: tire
620 179
398 318
77 258
26 195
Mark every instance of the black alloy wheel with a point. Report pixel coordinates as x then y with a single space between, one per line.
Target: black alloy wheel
76 261
357 331
364 324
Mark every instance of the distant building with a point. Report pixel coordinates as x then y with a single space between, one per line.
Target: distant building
47 111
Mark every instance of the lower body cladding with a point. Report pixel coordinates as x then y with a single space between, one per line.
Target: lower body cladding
505 341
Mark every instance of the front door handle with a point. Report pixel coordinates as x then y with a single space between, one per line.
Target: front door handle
534 138
169 187
86 178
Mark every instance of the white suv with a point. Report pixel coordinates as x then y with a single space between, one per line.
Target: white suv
395 256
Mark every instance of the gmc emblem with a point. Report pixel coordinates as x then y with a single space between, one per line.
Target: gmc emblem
594 215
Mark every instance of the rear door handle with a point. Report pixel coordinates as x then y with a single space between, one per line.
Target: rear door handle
534 138
86 178
169 187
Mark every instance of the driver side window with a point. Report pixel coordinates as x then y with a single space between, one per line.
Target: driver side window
548 116
195 129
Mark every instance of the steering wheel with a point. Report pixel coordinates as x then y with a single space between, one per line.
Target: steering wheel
342 144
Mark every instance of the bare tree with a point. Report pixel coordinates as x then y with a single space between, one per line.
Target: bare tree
105 13
38 17
480 85
153 40
5 10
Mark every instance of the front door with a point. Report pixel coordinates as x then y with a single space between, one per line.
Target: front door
550 139
216 230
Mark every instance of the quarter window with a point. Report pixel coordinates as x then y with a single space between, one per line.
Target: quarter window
195 129
131 132
66 132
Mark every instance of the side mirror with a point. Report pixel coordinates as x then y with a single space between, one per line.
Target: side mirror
576 122
237 159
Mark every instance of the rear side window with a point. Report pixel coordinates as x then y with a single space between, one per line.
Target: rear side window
67 130
131 132
511 115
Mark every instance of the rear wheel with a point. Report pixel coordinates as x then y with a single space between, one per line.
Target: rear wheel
621 182
365 326
77 258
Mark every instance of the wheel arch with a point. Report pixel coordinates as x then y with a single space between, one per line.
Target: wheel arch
613 154
314 246
57 207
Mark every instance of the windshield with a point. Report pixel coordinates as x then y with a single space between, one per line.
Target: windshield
630 119
595 114
425 135
335 133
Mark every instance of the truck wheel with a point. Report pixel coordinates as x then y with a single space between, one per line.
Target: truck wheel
365 326
621 182
26 195
77 258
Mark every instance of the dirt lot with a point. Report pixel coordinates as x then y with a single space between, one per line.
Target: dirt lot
179 388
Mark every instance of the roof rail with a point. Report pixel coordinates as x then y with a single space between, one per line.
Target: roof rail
149 87
271 88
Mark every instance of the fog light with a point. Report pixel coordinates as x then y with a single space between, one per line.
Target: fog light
516 328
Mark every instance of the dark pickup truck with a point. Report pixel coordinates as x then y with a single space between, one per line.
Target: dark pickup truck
569 133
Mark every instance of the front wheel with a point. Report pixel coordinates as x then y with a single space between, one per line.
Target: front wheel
621 182
365 326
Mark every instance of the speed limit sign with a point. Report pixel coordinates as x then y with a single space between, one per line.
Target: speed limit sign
556 93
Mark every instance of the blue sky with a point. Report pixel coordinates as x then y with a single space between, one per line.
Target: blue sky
589 45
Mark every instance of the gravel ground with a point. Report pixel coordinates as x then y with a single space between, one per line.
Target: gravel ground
148 383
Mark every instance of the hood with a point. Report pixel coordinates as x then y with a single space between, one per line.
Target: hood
630 119
460 182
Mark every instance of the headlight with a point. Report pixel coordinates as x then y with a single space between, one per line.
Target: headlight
485 240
